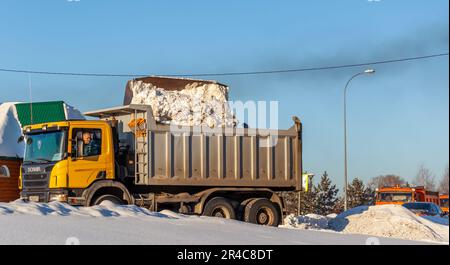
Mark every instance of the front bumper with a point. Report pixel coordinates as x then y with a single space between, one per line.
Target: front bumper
35 196
44 196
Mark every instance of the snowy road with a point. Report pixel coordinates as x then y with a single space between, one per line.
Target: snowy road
55 223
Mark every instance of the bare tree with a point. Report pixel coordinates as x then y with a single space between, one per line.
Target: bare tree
386 181
425 178
443 185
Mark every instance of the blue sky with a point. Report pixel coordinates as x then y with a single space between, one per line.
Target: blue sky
397 119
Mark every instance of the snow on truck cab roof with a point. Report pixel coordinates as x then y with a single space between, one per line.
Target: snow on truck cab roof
14 116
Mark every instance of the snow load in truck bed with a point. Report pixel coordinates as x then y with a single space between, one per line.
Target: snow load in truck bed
183 101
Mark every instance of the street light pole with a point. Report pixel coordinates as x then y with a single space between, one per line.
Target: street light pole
368 71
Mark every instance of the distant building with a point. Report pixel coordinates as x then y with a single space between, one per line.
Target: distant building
9 178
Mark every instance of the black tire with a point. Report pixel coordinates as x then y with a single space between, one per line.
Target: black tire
219 207
263 212
107 197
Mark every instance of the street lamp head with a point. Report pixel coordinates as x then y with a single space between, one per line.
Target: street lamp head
369 71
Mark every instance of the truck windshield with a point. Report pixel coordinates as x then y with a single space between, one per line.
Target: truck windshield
395 197
45 147
444 203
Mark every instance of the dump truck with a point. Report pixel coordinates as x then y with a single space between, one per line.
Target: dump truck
400 195
234 173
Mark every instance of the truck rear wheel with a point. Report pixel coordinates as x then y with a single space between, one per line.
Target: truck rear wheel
219 207
107 197
261 211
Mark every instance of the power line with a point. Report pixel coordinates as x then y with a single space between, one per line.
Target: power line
232 73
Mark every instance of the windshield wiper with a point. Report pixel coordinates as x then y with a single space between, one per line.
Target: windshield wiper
39 160
43 159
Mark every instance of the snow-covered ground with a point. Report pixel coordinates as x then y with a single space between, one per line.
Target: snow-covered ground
57 223
392 221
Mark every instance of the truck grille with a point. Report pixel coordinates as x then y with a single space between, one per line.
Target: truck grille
35 176
35 181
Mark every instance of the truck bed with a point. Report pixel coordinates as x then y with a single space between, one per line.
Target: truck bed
222 157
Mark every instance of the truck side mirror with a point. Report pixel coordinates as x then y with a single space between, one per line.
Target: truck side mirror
20 139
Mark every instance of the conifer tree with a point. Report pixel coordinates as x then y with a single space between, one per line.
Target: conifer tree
339 205
326 196
309 201
358 194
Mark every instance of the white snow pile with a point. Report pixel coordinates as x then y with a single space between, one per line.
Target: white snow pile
195 105
385 221
10 131
72 113
389 221
106 209
309 221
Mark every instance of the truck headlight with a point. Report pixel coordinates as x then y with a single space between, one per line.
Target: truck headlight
58 197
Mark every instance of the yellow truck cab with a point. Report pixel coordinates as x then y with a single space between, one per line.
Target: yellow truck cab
125 157
54 160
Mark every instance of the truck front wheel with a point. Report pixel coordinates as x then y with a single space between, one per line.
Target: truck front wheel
261 211
107 197
219 207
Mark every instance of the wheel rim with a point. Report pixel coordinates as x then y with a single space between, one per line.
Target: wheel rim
264 216
219 212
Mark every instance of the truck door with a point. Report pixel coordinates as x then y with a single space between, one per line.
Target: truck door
88 160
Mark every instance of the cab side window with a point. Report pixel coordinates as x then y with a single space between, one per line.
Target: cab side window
86 142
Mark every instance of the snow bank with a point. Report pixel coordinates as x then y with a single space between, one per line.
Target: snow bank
393 221
389 221
58 223
195 105
10 131
106 209
309 221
